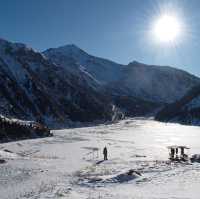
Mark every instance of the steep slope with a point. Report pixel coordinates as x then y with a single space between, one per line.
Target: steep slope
160 84
32 87
102 70
185 111
66 85
157 83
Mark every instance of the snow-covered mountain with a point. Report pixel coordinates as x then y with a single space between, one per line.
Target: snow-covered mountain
185 111
102 70
33 88
156 83
65 85
153 83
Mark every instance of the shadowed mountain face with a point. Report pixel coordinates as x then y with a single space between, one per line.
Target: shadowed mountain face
152 83
66 85
34 88
185 111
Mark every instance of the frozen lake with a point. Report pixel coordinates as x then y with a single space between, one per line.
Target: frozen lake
65 166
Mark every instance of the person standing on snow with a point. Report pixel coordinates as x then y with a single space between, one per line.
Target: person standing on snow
105 153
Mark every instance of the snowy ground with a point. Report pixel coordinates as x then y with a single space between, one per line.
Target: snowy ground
67 165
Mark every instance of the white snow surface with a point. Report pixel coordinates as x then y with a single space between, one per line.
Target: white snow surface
69 165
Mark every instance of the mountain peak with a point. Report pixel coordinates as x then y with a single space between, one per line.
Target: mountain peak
136 63
72 46
71 49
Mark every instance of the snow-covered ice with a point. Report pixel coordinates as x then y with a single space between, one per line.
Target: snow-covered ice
69 165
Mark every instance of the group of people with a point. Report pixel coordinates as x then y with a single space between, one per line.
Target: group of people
174 153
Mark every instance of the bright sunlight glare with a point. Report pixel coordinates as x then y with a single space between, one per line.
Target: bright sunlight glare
167 29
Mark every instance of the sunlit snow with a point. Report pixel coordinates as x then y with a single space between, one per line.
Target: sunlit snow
69 164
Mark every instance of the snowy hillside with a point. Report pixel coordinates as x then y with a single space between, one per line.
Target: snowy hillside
152 83
157 83
33 88
102 70
186 110
65 85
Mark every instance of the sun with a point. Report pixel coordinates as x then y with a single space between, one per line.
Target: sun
167 29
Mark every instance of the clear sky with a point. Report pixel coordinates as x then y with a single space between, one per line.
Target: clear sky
113 29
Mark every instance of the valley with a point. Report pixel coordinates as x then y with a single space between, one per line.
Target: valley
65 166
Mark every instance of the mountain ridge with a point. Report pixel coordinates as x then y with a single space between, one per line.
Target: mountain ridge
128 78
63 86
34 88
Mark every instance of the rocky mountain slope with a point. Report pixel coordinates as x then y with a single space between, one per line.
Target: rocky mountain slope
152 83
34 88
66 85
101 70
185 111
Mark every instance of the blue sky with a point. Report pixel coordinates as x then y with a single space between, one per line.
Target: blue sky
113 29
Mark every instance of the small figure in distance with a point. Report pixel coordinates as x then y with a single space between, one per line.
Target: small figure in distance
172 153
105 153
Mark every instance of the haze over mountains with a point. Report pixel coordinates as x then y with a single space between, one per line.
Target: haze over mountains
185 111
135 79
65 85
